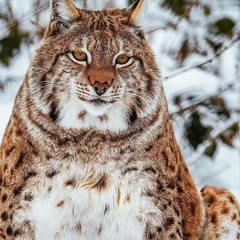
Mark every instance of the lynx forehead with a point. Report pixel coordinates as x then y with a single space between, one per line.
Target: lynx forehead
90 153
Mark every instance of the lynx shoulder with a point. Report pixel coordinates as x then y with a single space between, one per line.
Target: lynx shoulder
89 151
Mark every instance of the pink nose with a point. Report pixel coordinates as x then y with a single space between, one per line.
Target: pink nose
100 87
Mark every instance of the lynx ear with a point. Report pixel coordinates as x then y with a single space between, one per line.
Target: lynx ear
63 13
136 12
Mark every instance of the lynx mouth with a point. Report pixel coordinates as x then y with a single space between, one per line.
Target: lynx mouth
97 106
98 102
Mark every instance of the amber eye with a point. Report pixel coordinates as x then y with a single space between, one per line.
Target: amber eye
79 55
122 59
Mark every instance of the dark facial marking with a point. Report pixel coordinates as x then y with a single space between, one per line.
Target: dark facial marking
139 103
150 86
17 232
20 160
8 151
54 112
4 216
17 190
149 169
70 182
29 175
132 116
51 173
4 197
169 223
79 227
150 235
149 148
43 83
106 209
179 189
172 235
28 197
19 132
129 169
9 231
214 218
160 187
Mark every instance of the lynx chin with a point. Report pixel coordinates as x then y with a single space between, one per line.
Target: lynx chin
89 152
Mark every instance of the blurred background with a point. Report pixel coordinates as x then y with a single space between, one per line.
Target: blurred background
197 47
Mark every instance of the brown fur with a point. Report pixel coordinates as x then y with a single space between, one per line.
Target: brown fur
36 149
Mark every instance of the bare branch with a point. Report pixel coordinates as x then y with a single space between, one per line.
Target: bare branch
217 55
203 99
26 17
173 25
200 151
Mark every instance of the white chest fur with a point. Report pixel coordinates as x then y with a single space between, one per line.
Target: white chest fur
104 205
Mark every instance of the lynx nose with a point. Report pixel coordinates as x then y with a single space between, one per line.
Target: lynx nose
101 81
100 87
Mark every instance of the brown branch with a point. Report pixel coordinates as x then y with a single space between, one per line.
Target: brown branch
37 5
10 11
200 151
173 25
27 16
235 40
203 99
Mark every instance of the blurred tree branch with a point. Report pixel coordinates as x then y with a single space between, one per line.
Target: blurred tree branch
203 99
200 65
217 135
172 24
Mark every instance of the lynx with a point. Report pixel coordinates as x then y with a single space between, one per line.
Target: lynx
89 152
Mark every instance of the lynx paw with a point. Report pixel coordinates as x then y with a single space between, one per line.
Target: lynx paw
223 214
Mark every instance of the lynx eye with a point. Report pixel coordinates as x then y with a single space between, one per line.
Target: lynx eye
122 59
79 55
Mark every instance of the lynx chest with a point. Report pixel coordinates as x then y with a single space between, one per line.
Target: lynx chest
91 203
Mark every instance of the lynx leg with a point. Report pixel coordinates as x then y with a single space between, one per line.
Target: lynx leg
223 214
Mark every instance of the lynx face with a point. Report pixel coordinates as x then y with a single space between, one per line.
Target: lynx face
95 70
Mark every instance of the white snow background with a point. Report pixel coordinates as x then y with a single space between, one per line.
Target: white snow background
224 171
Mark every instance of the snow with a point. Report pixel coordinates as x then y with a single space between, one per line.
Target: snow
222 172
194 81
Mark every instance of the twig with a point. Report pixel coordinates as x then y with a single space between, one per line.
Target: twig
200 151
235 40
10 10
3 84
26 17
173 25
203 99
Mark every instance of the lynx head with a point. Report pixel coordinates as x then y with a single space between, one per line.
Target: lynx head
94 69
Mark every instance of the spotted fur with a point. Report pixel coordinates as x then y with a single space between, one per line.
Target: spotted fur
90 153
